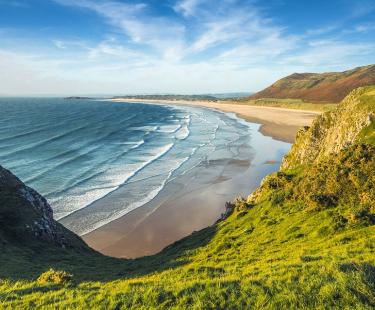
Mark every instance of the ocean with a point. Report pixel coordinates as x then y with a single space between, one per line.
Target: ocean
77 152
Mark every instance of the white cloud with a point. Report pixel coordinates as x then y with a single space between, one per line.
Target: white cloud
363 28
134 21
187 7
323 55
59 44
228 48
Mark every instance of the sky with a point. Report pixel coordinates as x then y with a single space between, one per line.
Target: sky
77 47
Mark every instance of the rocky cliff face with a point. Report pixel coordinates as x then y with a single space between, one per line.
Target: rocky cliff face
333 131
332 163
26 216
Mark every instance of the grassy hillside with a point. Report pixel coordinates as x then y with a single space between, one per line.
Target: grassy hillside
296 104
304 239
329 87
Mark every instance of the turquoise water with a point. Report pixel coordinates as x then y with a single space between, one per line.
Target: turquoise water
75 152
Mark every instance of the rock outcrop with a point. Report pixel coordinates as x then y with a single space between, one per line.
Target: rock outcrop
333 131
26 216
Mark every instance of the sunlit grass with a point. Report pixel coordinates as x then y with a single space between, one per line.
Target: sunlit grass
304 239
297 104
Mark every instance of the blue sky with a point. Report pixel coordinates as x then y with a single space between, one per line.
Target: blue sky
176 46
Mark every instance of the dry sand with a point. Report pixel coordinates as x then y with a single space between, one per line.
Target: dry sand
279 123
192 204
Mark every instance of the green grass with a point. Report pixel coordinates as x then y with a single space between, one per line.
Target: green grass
304 240
290 259
284 252
297 104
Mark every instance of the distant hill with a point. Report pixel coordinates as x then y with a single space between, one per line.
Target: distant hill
174 97
236 95
319 87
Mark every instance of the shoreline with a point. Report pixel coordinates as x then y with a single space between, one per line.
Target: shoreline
279 123
169 217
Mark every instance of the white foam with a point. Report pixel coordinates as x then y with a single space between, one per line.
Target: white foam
145 128
119 213
113 179
169 128
183 133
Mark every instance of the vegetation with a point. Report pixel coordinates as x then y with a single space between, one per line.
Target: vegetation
319 87
304 239
298 104
173 97
54 277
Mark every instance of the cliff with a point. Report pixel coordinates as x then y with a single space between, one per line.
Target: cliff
319 87
331 132
26 217
332 163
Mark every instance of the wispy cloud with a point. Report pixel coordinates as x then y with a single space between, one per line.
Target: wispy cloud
361 28
14 3
59 44
187 7
135 22
323 55
193 46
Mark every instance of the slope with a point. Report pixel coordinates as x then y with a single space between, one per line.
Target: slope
304 239
319 87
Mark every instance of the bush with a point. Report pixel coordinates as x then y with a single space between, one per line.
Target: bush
322 201
250 229
241 205
362 215
279 196
278 180
55 277
339 222
308 258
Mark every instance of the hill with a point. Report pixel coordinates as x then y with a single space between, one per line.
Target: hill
176 97
304 239
329 87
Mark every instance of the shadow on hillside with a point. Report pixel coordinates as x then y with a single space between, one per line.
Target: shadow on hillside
23 263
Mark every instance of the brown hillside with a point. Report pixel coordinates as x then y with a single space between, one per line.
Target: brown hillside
319 87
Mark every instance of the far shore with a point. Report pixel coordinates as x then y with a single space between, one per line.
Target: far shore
279 123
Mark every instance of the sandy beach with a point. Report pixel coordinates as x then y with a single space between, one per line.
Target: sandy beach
193 203
279 123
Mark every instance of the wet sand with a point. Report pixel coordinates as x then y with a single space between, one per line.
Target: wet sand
190 203
279 123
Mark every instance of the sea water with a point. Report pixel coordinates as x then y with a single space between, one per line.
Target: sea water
76 152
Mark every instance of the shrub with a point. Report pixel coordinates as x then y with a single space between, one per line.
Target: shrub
308 258
339 222
250 229
55 277
362 215
278 180
241 205
279 196
322 201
